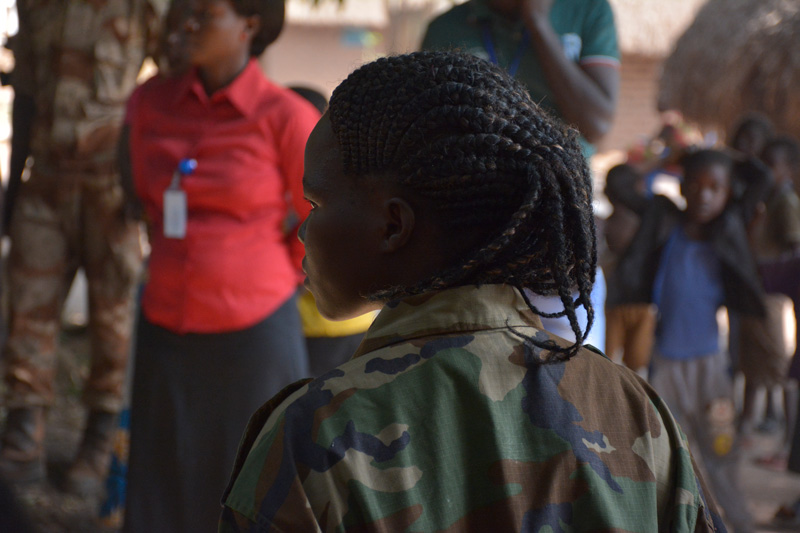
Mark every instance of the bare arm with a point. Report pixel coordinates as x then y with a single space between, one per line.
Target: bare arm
131 207
586 95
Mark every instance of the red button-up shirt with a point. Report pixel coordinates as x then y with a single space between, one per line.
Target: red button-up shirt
237 263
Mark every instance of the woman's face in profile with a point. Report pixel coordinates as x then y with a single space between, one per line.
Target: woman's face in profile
341 233
214 33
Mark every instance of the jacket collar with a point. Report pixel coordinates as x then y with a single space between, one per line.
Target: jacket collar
458 310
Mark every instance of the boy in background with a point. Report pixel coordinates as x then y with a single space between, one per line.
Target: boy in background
751 134
774 235
629 327
690 263
783 276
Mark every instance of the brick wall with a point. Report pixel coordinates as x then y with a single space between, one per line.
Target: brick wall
315 56
636 110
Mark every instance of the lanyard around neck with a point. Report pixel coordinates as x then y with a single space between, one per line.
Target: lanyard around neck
488 44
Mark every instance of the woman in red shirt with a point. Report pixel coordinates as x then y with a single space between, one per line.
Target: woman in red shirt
217 161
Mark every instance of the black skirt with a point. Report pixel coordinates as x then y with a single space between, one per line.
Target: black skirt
192 397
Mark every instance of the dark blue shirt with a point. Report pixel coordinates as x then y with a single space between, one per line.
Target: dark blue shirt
688 291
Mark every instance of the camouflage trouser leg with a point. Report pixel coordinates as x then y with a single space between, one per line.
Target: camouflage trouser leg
112 261
38 268
51 235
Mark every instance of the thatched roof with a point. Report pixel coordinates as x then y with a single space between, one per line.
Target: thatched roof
737 56
651 27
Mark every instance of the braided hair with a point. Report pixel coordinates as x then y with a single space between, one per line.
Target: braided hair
462 134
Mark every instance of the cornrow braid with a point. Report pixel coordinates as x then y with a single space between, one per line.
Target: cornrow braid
460 132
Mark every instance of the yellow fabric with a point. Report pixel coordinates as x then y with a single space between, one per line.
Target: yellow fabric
314 325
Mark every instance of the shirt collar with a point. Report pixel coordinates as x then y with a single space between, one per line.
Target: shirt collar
239 92
462 309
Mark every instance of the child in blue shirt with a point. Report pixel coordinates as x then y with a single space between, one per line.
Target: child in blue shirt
690 263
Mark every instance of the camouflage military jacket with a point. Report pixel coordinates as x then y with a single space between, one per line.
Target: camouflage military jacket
79 60
445 420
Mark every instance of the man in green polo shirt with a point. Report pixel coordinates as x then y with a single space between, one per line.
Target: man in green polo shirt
564 51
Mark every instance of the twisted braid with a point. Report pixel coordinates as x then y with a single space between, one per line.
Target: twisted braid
462 134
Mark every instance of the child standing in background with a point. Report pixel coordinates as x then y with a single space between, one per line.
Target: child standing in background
774 235
783 276
690 264
629 326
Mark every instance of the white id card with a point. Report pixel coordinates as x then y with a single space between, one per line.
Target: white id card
174 214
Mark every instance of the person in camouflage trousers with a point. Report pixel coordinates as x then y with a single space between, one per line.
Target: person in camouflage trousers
458 412
79 61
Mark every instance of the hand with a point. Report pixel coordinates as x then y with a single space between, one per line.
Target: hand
537 10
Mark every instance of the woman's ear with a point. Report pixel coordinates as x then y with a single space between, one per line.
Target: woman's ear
398 224
252 25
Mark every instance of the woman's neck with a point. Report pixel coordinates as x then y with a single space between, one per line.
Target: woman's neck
214 79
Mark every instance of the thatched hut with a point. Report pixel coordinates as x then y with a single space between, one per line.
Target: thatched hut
737 56
648 28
